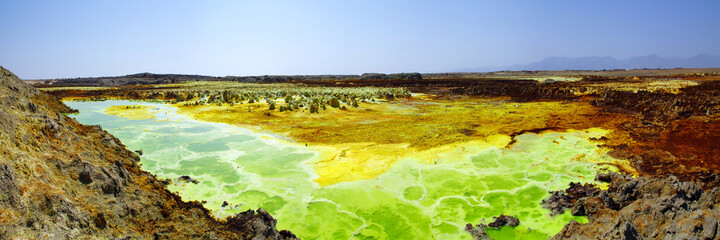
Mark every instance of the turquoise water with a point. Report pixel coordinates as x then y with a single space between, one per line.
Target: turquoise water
411 201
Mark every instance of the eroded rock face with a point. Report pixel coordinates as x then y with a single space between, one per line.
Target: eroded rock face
643 208
63 180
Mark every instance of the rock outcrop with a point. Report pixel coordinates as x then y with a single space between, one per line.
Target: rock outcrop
643 208
560 201
478 231
63 180
503 220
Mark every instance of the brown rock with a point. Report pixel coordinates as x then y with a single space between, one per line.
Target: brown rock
645 208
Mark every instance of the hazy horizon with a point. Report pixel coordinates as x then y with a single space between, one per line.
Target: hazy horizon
47 39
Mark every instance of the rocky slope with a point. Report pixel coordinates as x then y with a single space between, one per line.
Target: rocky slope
63 180
639 208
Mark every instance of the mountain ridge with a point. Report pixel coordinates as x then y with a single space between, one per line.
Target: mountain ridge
651 61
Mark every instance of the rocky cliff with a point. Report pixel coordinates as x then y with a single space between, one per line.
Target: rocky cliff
63 180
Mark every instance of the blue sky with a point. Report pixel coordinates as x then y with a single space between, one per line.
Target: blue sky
57 39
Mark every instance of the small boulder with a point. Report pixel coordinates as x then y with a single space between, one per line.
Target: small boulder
188 179
477 231
503 220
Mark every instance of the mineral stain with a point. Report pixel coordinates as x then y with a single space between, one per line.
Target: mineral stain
413 199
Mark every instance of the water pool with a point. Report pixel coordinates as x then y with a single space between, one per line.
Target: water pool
412 200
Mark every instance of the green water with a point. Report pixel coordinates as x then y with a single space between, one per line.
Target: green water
410 201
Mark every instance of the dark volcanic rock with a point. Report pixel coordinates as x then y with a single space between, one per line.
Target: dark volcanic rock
477 231
559 201
369 76
188 179
260 224
503 220
700 100
63 180
394 76
645 208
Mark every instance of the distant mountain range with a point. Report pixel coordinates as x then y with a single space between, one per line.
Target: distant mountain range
599 63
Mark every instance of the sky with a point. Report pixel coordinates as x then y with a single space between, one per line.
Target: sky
67 39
